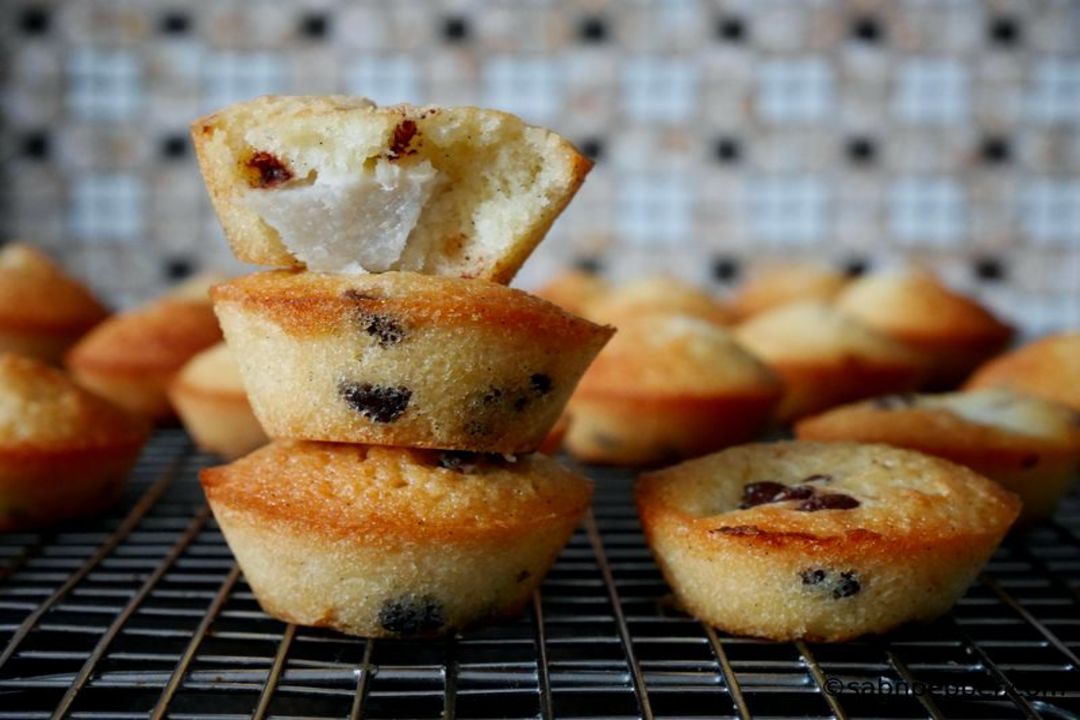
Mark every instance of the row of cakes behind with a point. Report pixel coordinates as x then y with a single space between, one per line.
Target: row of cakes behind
710 522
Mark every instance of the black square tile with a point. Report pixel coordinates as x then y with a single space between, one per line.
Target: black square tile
175 22
455 29
1004 31
593 148
861 150
867 29
726 269
314 26
727 150
731 28
35 145
593 29
995 150
34 20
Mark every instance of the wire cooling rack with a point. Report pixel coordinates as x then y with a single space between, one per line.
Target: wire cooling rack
144 614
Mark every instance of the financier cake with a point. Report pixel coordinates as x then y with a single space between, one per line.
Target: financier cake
1049 367
132 357
573 290
827 358
64 452
954 333
405 359
1028 444
656 294
210 399
340 184
820 541
778 285
42 310
393 542
668 387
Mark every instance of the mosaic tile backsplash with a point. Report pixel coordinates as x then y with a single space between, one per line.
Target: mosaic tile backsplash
726 134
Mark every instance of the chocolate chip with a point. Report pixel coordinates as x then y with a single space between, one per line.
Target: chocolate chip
828 501
383 328
492 396
520 403
739 530
898 401
376 402
267 170
541 383
813 576
412 615
794 492
1029 461
818 477
403 137
466 461
461 461
759 493
523 576
847 586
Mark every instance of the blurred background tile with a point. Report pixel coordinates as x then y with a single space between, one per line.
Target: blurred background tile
726 133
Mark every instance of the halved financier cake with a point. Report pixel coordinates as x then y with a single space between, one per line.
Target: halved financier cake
393 542
404 359
340 184
820 541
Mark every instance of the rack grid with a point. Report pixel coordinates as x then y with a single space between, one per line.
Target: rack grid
143 613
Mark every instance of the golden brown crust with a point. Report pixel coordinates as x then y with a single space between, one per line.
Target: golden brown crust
305 303
1048 367
397 495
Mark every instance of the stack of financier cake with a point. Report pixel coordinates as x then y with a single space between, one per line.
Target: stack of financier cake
405 386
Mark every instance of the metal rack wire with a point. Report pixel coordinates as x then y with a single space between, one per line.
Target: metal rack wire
144 614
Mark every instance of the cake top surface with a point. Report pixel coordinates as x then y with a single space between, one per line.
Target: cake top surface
41 408
816 331
663 353
820 493
914 304
34 291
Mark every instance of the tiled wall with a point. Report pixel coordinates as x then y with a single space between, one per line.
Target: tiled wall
726 133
